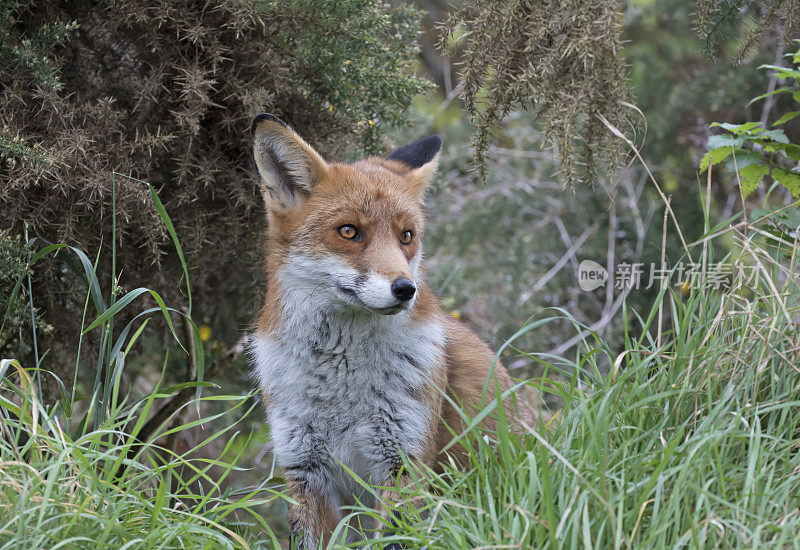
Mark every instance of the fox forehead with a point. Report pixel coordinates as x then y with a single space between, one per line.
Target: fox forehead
368 191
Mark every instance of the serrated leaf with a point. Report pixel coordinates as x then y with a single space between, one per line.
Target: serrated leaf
714 156
784 73
789 149
775 135
789 179
724 140
750 177
792 151
774 67
743 158
786 118
747 126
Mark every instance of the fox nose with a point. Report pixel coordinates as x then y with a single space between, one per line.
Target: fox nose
403 289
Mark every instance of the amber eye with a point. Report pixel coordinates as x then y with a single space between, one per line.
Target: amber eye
348 231
405 237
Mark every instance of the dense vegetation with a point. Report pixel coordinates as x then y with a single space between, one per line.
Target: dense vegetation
670 413
164 91
689 440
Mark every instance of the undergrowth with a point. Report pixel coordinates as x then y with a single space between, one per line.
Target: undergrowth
688 437
96 471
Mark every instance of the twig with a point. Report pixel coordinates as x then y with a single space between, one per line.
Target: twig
569 254
610 253
619 134
604 320
769 101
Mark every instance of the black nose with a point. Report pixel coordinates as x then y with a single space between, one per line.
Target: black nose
403 289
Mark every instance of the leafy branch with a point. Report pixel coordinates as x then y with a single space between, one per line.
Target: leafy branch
755 152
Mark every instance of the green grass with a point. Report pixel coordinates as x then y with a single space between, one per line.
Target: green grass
97 488
92 472
691 442
689 437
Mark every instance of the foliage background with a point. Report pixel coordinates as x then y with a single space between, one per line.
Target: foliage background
163 92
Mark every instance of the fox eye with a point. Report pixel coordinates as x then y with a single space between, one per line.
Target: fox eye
348 231
406 237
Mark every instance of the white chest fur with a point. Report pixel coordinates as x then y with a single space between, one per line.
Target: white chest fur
344 387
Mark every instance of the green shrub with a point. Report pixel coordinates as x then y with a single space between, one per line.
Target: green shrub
560 61
754 152
165 91
15 309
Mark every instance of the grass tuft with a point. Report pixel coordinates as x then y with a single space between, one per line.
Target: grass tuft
690 437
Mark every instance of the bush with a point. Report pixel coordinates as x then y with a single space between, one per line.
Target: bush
164 91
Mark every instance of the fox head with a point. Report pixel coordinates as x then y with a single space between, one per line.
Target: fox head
348 235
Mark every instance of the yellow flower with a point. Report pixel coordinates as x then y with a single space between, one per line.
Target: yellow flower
205 332
455 314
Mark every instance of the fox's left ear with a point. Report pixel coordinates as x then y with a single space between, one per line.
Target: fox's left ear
422 159
289 167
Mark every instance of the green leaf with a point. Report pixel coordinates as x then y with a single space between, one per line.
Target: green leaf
784 73
773 67
792 151
724 140
766 95
128 298
786 118
775 135
789 179
735 128
171 229
714 156
743 158
750 177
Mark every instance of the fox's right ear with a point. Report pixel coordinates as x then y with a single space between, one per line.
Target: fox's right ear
422 159
288 166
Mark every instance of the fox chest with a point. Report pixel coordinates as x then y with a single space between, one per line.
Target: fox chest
354 400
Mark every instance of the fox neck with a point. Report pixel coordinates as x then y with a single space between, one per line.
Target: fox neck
299 309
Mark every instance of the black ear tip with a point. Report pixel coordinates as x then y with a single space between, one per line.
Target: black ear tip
418 153
262 117
431 143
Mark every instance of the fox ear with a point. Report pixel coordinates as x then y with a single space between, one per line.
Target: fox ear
422 158
288 166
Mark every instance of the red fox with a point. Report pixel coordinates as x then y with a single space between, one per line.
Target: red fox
351 350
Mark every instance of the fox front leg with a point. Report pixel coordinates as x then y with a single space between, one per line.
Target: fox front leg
312 518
